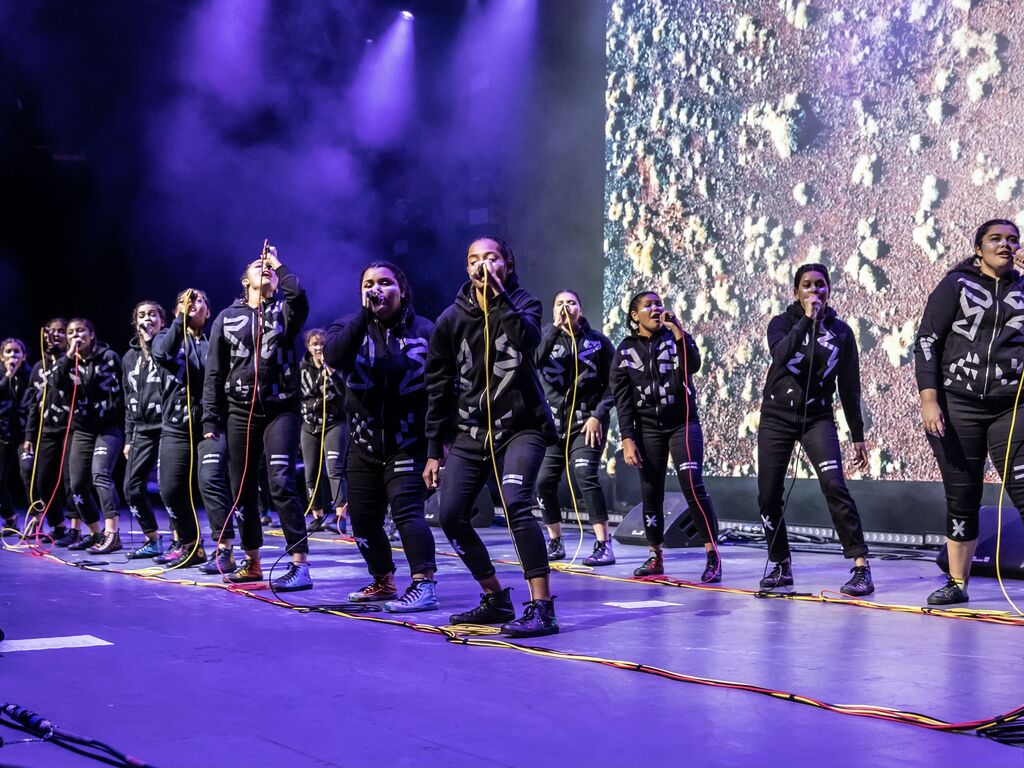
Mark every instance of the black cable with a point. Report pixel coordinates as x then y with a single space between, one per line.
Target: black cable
31 723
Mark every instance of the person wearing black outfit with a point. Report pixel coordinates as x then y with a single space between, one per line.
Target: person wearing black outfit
656 401
48 415
588 423
968 364
145 386
97 432
381 351
251 395
491 415
15 395
324 434
812 352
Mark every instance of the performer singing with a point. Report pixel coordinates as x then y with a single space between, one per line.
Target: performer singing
588 421
813 352
251 394
381 351
477 410
968 359
656 402
15 395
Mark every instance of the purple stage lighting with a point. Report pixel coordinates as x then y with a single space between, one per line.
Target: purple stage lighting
407 15
384 91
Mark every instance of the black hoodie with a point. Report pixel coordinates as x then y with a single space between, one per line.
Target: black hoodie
456 410
230 371
146 385
836 361
313 407
556 368
99 398
385 389
970 340
15 397
648 376
168 350
54 412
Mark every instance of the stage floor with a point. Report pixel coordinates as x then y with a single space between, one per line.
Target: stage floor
203 677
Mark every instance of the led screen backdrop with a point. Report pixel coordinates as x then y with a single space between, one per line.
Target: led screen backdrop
745 138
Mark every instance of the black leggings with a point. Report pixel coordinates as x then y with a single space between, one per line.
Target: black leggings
91 462
48 470
976 430
374 485
775 441
9 469
215 488
274 436
176 466
142 459
331 492
585 462
464 476
685 444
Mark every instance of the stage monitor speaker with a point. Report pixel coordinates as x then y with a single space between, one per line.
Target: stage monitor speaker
483 509
680 528
1011 546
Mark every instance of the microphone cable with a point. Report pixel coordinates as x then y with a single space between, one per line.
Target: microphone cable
571 565
1002 493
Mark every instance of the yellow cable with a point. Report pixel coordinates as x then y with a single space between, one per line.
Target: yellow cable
39 432
570 566
1002 492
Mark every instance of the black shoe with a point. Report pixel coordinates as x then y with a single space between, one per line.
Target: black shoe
538 620
84 542
71 536
221 562
781 576
713 569
494 608
316 524
954 592
653 566
266 519
860 583
556 549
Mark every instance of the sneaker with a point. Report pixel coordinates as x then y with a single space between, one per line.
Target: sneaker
170 554
653 566
295 579
781 576
556 549
151 548
71 536
381 588
860 583
317 524
221 562
421 595
266 519
954 592
602 554
538 620
249 572
111 542
713 569
494 608
87 542
57 533
186 556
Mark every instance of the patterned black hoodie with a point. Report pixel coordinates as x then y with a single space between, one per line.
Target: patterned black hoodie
385 390
168 350
970 340
146 385
647 380
836 362
456 410
230 371
99 399
54 412
312 390
555 365
15 398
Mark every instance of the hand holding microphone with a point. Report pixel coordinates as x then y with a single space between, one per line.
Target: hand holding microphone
372 298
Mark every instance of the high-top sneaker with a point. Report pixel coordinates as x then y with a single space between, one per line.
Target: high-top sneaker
712 569
653 566
421 595
250 571
220 562
86 542
151 548
954 592
860 583
111 543
295 579
71 536
317 524
381 588
538 619
494 608
172 553
556 549
602 554
187 555
781 576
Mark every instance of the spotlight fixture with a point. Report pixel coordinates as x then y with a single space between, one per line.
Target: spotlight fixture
407 15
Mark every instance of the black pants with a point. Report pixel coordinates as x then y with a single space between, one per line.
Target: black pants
177 465
273 440
331 492
215 488
585 462
142 459
775 441
373 485
51 475
91 462
685 444
976 430
519 462
9 473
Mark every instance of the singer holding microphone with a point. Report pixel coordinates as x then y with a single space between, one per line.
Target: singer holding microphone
656 402
812 353
586 419
15 395
381 350
251 395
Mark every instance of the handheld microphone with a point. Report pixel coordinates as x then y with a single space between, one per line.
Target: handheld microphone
669 318
266 250
374 298
481 271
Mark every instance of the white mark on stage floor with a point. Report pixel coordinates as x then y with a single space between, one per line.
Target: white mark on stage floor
51 643
643 604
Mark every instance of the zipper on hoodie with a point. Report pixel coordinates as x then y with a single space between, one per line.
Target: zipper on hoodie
992 340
